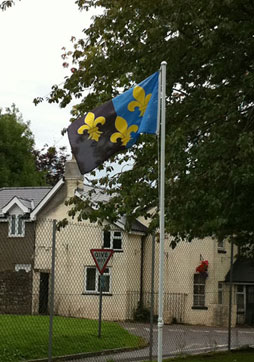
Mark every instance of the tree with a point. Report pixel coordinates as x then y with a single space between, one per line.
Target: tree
17 163
51 162
6 4
209 48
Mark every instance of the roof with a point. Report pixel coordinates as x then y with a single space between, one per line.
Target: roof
35 198
243 271
25 194
99 195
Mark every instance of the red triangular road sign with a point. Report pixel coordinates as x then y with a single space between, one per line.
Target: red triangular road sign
101 258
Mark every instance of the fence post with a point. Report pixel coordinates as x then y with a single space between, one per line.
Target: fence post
152 301
52 292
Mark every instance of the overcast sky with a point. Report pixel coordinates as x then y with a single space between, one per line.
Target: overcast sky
32 34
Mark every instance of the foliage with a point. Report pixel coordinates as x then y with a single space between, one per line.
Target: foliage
50 161
142 314
202 268
6 4
209 49
17 163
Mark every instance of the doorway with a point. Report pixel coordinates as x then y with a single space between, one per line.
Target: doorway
44 293
249 304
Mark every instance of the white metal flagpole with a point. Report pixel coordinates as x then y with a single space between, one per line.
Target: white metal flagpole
162 202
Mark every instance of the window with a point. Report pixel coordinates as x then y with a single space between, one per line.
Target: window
240 299
220 298
92 280
199 290
221 246
112 240
16 226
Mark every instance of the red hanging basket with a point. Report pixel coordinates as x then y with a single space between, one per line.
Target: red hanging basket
202 268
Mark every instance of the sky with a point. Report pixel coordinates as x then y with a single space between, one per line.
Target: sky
32 34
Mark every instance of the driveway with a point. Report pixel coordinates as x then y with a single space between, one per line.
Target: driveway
179 339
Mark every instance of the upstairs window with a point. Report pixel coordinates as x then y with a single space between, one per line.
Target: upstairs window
112 240
16 226
221 246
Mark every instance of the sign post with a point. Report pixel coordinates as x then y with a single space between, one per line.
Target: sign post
101 258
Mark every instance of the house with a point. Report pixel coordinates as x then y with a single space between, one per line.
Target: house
26 231
17 244
76 277
26 234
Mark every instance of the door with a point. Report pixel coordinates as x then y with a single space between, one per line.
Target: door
250 304
44 293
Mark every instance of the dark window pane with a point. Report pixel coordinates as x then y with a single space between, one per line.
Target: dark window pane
117 243
118 233
240 288
20 223
104 279
13 225
90 279
106 283
106 239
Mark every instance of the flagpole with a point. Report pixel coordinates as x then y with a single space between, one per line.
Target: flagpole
162 202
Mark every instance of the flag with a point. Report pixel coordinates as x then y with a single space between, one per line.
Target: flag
115 125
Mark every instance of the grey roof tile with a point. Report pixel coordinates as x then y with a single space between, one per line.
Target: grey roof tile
25 194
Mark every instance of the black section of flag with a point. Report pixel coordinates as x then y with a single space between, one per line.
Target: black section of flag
88 152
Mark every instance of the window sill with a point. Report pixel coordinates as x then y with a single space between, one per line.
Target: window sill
16 236
199 307
221 251
115 250
96 294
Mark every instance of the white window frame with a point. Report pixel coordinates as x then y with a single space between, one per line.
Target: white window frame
107 272
197 297
113 237
16 234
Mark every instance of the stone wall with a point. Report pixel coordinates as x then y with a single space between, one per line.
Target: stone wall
15 292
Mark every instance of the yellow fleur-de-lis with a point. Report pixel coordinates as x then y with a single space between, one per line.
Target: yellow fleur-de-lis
141 100
124 131
91 126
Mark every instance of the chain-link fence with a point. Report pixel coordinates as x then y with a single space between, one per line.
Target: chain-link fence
52 295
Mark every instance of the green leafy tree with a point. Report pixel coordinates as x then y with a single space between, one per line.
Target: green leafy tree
17 163
51 162
209 48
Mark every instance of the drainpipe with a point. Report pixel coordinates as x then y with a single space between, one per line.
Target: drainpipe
230 294
141 271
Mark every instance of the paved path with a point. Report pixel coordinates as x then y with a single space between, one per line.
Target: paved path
179 339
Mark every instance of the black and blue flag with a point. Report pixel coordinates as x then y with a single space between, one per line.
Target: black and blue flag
115 125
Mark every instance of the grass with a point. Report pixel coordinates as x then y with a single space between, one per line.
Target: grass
246 355
26 337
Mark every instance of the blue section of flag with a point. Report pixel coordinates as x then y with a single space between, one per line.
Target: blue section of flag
147 122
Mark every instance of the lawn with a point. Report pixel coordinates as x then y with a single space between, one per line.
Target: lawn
26 337
234 356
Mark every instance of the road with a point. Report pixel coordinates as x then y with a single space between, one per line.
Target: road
179 339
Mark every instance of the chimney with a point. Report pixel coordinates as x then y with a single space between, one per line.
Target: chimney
73 177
